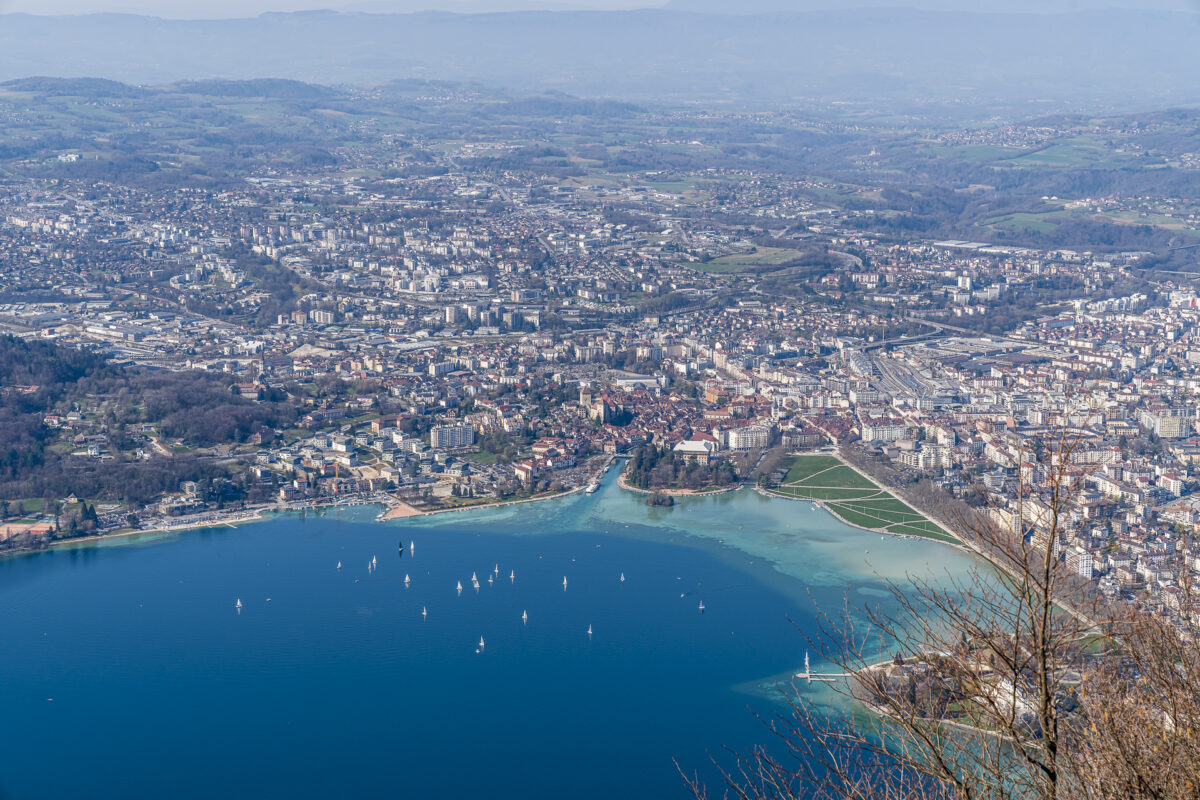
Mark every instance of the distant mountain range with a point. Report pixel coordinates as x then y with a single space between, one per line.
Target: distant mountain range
984 6
884 59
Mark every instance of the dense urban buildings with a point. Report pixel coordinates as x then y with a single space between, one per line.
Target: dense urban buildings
398 309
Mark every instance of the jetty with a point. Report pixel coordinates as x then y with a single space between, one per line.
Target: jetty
825 677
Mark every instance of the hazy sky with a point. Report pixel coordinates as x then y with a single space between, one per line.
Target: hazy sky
249 8
197 9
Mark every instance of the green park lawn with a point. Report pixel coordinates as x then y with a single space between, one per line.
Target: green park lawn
806 466
840 476
854 497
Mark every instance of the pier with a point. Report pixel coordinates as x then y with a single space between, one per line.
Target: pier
826 677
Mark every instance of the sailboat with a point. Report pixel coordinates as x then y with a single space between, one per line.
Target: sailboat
512 576
564 583
410 548
374 562
474 579
524 616
701 606
622 577
589 630
460 587
424 612
480 642
407 580
339 565
496 571
490 578
238 604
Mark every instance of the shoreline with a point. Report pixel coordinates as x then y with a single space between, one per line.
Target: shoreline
416 512
393 509
676 492
881 531
244 517
957 543
885 713
479 506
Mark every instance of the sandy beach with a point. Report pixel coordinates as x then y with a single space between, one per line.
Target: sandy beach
401 510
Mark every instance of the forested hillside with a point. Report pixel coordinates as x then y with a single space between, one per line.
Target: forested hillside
56 401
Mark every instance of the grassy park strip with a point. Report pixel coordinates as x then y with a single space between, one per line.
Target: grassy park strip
855 498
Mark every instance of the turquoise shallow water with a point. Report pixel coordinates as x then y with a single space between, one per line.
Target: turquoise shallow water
337 686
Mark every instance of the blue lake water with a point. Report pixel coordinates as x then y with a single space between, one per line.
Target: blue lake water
127 672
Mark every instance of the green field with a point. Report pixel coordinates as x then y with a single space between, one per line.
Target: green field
840 476
854 497
1087 150
986 152
806 466
823 493
762 257
1042 223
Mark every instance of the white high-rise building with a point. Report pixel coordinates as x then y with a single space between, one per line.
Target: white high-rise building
449 436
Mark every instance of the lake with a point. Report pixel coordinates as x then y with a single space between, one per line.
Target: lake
128 672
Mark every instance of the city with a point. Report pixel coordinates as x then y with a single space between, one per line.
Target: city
485 333
679 366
